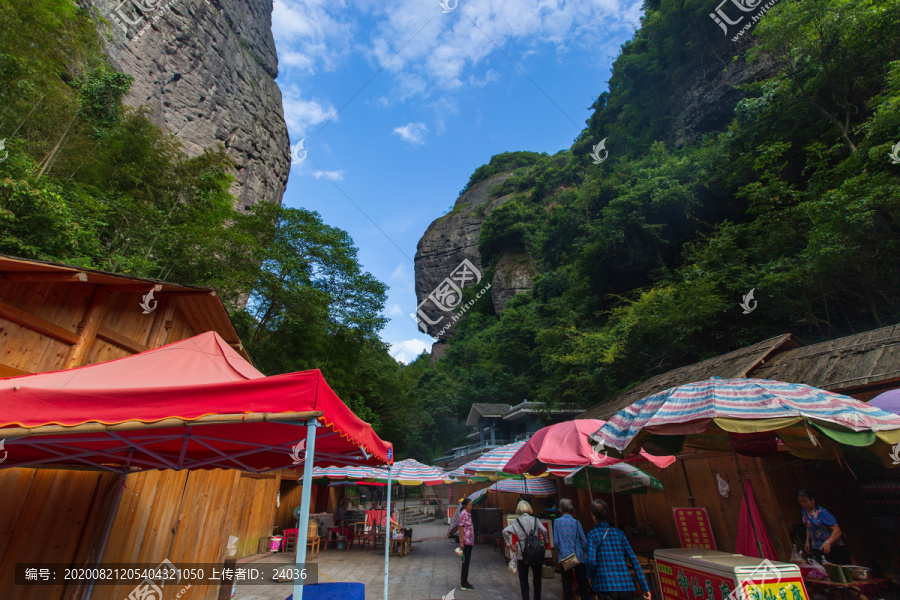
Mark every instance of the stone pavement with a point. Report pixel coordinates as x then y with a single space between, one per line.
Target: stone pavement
429 572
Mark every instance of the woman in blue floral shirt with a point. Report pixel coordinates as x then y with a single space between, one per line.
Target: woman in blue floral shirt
823 534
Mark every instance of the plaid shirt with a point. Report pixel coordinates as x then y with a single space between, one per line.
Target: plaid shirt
568 537
467 532
608 569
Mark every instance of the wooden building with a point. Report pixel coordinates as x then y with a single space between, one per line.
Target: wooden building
862 366
55 317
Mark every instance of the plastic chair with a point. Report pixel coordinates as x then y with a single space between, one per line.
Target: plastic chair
289 541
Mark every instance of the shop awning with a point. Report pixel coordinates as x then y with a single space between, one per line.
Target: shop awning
194 404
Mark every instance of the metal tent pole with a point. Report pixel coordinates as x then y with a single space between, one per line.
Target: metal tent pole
387 534
302 538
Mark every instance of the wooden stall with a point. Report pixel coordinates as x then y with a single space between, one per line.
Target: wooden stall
861 365
55 317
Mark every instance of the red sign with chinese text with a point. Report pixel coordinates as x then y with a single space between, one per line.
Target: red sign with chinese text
693 527
677 582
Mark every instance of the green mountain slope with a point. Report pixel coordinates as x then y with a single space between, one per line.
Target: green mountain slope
644 258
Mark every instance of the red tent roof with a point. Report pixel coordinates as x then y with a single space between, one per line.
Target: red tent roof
192 404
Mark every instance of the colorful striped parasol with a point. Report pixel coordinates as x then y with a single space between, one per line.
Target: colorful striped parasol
752 416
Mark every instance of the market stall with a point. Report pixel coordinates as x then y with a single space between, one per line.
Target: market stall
751 417
194 404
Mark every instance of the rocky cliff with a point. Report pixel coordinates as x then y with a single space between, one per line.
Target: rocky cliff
206 71
449 241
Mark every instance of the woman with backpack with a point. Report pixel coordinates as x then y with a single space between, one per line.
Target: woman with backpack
608 558
529 548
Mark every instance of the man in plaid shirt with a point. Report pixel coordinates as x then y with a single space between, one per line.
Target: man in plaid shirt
609 556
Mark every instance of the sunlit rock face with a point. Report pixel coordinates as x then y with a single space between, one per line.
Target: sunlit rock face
206 71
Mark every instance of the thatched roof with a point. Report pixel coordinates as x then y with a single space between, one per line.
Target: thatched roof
734 364
485 410
842 365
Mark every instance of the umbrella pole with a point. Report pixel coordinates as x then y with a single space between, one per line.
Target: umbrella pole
302 533
387 533
615 517
588 477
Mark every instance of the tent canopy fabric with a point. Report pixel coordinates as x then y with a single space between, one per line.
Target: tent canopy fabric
188 405
888 401
718 414
412 472
526 487
752 535
619 478
561 447
493 461
405 472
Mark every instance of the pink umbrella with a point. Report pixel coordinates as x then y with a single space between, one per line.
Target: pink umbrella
560 448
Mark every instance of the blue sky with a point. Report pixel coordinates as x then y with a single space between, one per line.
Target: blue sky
398 103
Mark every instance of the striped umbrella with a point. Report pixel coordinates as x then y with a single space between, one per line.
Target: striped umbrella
619 478
345 473
491 463
747 415
412 472
530 487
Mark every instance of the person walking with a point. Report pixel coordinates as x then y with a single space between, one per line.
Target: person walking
608 558
526 523
569 539
466 541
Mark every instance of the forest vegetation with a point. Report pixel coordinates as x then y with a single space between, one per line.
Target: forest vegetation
640 260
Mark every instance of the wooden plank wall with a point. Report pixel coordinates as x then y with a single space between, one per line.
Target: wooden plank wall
691 481
58 516
253 512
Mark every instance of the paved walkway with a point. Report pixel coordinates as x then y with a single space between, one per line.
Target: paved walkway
429 572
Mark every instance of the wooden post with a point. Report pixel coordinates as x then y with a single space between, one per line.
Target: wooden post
157 335
87 328
274 508
227 584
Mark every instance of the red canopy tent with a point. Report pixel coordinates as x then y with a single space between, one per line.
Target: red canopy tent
194 404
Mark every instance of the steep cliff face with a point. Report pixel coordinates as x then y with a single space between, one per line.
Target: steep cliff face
206 70
446 243
711 95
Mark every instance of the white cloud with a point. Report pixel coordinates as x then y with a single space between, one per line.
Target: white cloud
332 175
407 350
428 52
301 114
395 310
311 35
414 133
402 274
